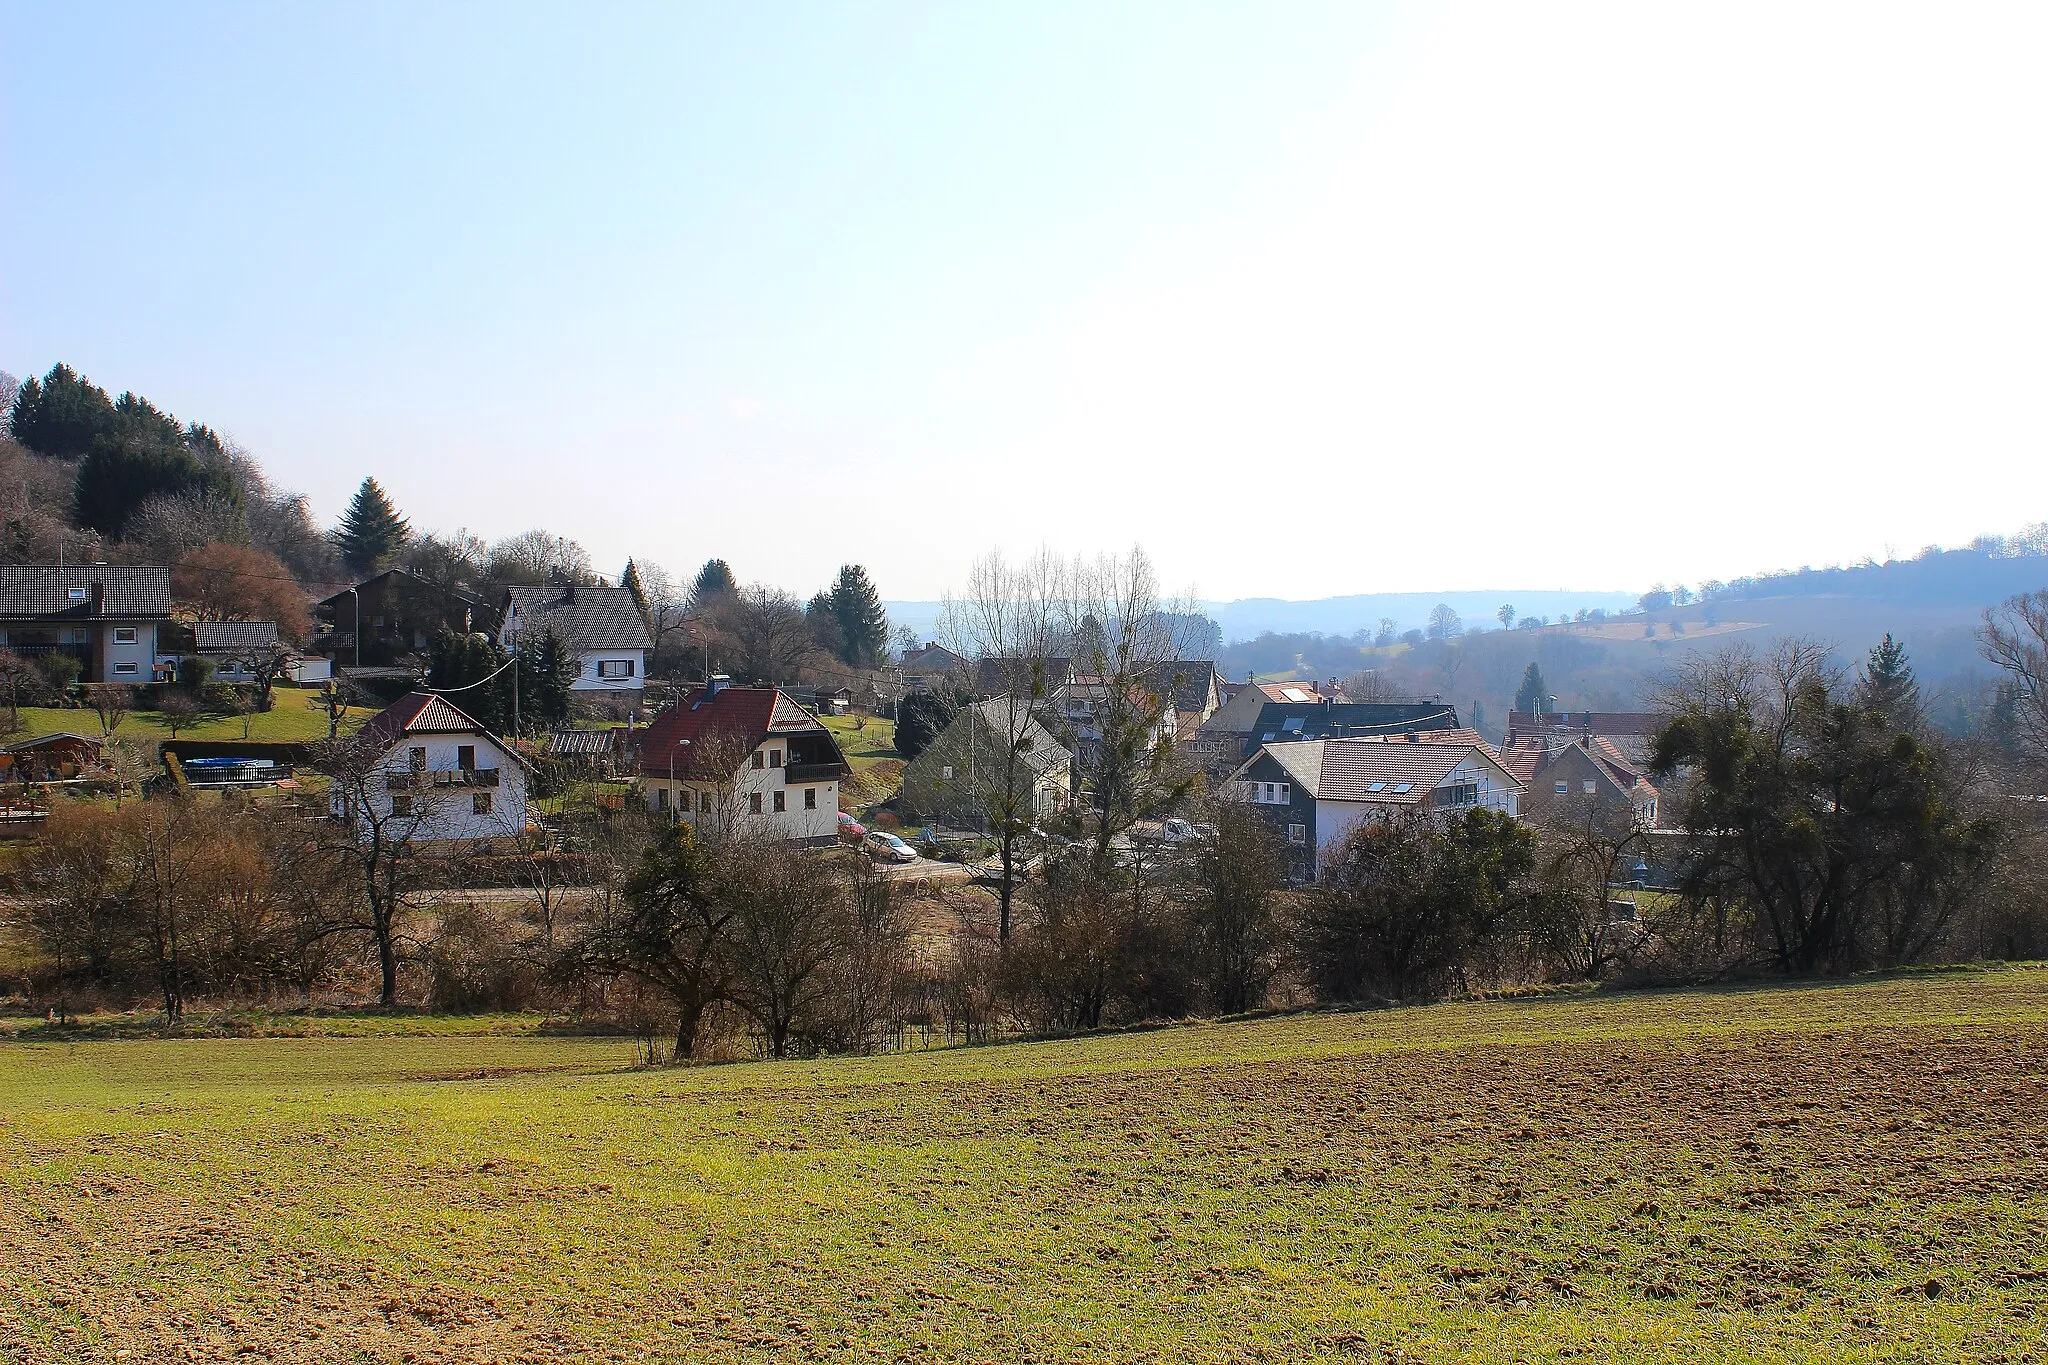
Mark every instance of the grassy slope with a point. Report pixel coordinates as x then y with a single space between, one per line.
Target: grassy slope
871 753
289 718
1770 1174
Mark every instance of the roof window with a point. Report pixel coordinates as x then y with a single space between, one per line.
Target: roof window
78 594
1376 787
1403 787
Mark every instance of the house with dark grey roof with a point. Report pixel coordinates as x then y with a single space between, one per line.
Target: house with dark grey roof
106 616
966 771
932 665
602 627
1316 791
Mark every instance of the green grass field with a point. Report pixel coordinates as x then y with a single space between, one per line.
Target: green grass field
1812 1173
290 718
871 753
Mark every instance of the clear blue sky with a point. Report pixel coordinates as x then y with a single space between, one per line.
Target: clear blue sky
1306 299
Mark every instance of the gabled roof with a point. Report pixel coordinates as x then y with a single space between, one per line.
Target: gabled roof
1191 683
44 741
933 658
218 637
735 719
1347 769
1043 751
1280 721
417 713
1627 724
996 677
127 591
585 617
389 575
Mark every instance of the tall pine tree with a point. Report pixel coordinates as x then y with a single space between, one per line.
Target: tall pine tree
714 583
1529 696
371 531
1889 686
143 453
857 611
61 414
630 581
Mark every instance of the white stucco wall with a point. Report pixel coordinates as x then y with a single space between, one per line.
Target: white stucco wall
450 812
795 821
587 679
113 656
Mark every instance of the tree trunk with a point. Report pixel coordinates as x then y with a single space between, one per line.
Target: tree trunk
686 1031
387 965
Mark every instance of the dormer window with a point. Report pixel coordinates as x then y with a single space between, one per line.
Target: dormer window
78 594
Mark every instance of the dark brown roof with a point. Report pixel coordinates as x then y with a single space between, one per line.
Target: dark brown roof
127 591
419 713
1346 769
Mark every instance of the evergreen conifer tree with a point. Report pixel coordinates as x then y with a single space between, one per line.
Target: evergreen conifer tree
714 581
630 581
1529 696
857 611
371 531
61 415
824 624
1889 685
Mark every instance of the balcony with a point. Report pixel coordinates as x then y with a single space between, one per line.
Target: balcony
419 779
796 774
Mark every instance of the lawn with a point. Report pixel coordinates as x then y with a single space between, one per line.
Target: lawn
292 716
871 753
1812 1173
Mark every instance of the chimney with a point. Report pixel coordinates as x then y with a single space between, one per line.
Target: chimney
99 598
569 592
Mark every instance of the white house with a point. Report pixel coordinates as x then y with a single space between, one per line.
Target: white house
749 755
1317 790
602 627
427 773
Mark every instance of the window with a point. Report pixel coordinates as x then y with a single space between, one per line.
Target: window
1272 793
614 668
481 802
124 635
1587 786
1297 834
78 594
127 669
754 802
780 802
418 759
1292 725
1563 787
1403 788
758 761
465 757
704 802
810 798
1376 786
775 758
1460 794
401 805
661 798
946 772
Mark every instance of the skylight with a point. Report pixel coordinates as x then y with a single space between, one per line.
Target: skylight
1400 787
1376 787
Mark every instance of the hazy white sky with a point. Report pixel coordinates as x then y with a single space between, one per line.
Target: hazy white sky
1307 300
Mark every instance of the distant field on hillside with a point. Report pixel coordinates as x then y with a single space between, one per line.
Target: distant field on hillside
1810 1173
871 752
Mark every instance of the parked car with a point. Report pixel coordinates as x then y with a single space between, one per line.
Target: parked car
889 848
1178 831
850 828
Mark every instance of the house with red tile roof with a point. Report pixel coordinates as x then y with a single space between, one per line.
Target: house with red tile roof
747 755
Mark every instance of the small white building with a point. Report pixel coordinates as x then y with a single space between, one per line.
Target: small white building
601 626
428 773
748 755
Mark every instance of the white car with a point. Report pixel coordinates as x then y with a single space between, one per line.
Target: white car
888 847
